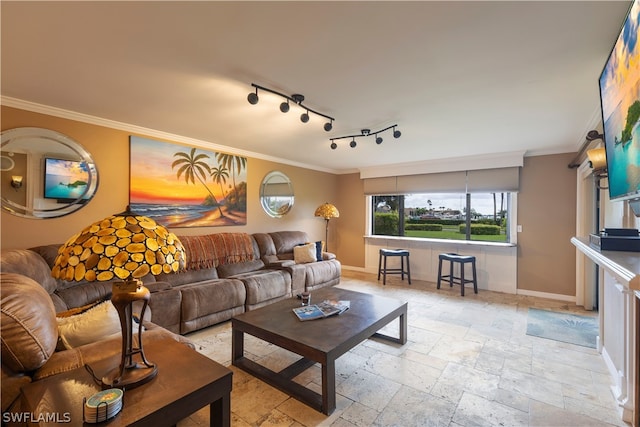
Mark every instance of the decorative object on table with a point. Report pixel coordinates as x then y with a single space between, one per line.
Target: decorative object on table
296 98
183 186
122 248
306 298
327 211
563 326
365 133
103 405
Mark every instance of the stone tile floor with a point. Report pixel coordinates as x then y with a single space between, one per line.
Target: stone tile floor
468 362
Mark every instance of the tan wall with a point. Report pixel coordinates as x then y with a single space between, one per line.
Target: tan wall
110 150
351 228
547 213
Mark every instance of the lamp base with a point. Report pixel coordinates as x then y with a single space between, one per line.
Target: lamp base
130 373
130 378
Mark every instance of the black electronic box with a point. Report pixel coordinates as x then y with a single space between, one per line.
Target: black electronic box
616 239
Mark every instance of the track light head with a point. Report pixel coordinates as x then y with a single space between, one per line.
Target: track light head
365 133
333 145
253 98
296 98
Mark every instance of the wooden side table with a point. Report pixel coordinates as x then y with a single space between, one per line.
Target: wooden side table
186 382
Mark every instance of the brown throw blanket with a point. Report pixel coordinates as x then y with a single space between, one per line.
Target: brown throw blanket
212 250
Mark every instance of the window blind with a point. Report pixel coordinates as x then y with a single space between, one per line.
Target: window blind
473 181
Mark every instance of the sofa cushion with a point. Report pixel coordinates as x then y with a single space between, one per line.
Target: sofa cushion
265 285
303 254
93 325
188 276
285 241
30 264
28 323
231 270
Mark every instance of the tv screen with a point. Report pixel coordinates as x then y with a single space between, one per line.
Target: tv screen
620 102
66 180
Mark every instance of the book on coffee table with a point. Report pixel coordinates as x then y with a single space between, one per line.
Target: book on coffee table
331 307
321 310
308 312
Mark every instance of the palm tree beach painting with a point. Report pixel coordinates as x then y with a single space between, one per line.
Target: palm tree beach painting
182 186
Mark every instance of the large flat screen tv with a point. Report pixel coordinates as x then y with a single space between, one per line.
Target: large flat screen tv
620 102
66 180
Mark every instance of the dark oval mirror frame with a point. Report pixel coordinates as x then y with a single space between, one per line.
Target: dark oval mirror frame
23 181
276 194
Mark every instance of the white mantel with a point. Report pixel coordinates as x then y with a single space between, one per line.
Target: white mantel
619 308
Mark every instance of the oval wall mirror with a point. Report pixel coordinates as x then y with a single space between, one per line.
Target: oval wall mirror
44 174
276 194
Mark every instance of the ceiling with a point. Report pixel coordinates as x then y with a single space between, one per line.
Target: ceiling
458 78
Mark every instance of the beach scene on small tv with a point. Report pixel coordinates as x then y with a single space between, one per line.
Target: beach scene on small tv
65 180
620 96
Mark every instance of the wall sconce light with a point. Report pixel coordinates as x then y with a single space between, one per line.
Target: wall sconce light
591 136
598 161
366 132
16 181
296 98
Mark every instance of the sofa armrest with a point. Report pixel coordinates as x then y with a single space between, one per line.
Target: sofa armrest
281 263
11 385
326 256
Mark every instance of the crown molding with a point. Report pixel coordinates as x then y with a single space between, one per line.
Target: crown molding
147 132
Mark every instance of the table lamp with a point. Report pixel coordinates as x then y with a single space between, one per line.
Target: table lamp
327 211
122 248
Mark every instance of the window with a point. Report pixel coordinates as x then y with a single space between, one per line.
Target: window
451 216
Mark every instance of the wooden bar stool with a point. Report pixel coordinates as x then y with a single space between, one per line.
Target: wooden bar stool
462 260
402 253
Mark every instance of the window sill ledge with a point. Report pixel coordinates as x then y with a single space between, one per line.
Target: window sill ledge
441 241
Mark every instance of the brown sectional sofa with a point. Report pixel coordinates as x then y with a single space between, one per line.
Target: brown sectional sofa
180 303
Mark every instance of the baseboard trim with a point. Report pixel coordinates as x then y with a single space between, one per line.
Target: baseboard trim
547 295
352 268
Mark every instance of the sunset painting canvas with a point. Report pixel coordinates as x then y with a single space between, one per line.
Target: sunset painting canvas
182 186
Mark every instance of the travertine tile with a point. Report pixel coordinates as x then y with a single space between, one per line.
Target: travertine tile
403 371
475 410
369 389
415 408
359 415
468 361
456 379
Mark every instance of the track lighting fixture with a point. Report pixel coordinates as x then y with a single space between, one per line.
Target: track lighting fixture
365 132
296 98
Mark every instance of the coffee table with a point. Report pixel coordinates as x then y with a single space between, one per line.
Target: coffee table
186 382
317 341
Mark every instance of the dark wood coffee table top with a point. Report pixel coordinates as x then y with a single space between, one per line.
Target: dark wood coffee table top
186 382
322 340
322 334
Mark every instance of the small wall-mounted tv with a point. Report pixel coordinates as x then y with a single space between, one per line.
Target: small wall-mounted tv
66 180
620 102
